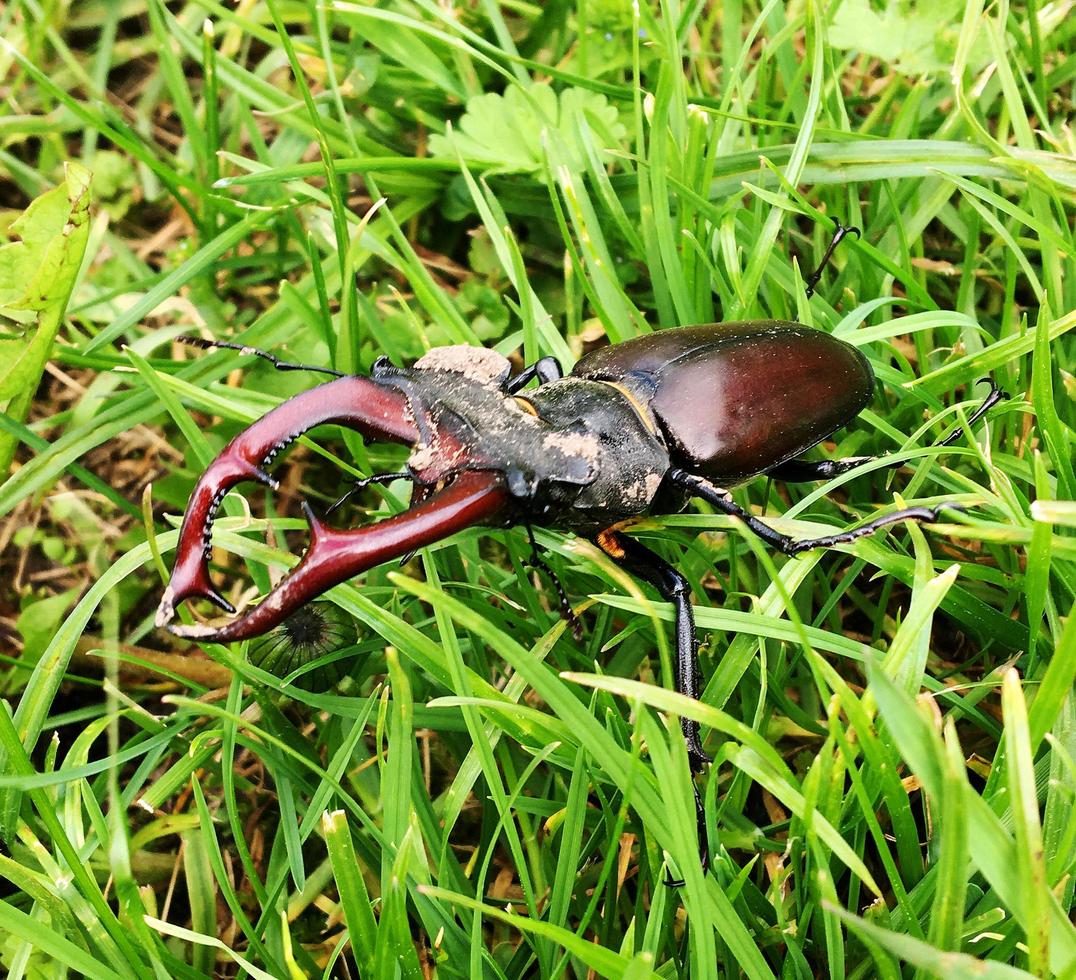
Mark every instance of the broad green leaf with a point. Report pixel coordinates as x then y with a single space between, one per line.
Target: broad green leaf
918 38
504 132
38 269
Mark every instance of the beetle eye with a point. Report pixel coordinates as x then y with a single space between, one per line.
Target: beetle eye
382 366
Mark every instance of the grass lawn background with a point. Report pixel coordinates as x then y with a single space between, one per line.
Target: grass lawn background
892 722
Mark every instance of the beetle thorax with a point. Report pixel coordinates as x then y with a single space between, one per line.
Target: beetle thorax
573 453
467 421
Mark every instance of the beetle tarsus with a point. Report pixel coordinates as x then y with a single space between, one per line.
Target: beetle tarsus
567 613
995 395
923 515
700 828
722 500
808 470
839 233
367 481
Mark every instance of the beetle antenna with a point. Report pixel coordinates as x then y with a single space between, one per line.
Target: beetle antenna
244 349
839 234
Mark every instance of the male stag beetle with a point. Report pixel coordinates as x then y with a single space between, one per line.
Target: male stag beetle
636 428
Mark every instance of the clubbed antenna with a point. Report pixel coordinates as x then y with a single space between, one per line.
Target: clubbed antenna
244 349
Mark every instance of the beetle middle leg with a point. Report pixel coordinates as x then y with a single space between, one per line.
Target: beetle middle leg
640 561
839 233
698 486
673 587
567 613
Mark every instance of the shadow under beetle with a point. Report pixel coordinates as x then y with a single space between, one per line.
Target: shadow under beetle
636 428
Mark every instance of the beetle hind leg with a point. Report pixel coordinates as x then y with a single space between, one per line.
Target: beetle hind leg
806 470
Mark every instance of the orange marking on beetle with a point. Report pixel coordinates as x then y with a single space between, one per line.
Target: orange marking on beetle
607 541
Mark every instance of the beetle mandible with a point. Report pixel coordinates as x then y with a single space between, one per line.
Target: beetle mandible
636 428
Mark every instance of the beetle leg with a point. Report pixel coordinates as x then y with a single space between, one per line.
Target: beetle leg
335 556
995 395
362 484
566 611
809 470
375 410
805 471
673 587
699 487
839 232
545 369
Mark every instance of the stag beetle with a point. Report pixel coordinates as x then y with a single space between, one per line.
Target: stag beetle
636 428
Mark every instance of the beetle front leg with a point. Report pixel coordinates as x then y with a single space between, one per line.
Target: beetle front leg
545 369
255 352
698 486
378 479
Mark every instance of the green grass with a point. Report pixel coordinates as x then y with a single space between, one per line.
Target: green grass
892 723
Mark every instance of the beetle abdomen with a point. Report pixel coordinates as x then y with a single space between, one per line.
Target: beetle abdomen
734 399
